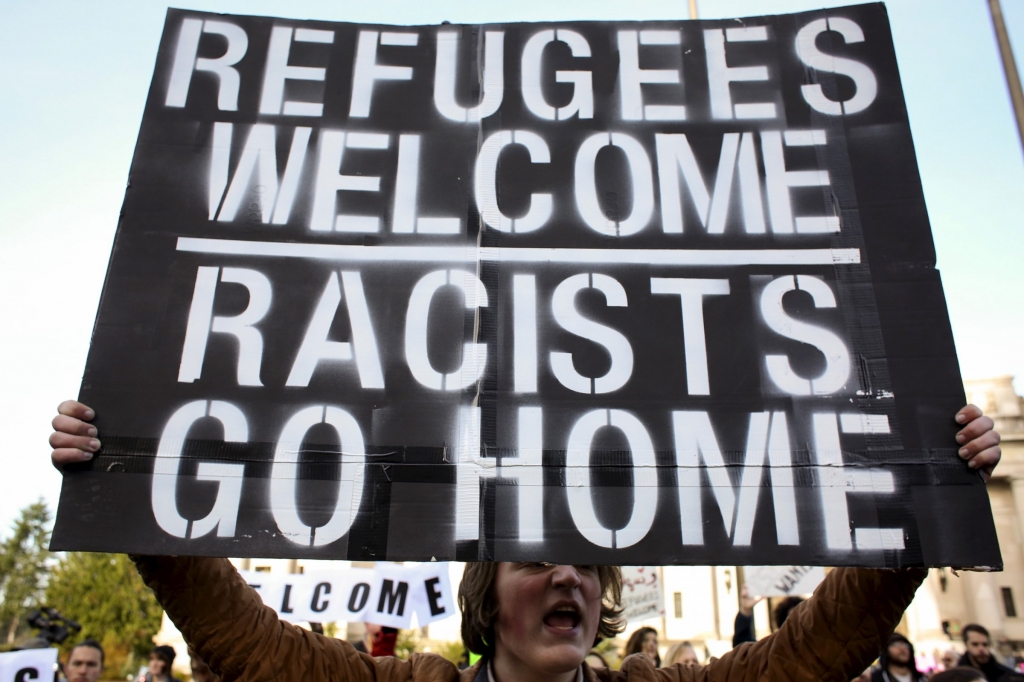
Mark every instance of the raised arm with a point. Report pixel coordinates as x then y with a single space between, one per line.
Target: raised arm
833 635
227 624
743 626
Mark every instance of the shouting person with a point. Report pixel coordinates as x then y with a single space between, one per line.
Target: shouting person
531 622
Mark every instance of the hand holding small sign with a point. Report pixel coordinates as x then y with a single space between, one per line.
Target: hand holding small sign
747 603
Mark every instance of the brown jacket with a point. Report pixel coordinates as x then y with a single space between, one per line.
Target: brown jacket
835 635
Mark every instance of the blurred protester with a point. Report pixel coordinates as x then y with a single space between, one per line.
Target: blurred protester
979 653
161 659
897 662
378 640
85 662
384 642
961 674
949 659
200 671
784 608
595 660
644 641
682 653
743 626
1004 654
365 645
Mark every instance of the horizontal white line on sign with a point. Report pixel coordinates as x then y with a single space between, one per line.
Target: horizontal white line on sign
472 254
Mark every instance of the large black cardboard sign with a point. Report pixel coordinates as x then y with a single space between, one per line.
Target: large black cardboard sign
634 293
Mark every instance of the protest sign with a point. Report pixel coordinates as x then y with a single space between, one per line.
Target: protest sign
642 595
30 665
388 594
600 292
782 581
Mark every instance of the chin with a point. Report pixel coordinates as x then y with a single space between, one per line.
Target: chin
563 658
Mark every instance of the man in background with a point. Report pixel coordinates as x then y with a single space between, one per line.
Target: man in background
85 662
979 653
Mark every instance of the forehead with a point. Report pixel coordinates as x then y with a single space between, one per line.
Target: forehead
84 654
976 638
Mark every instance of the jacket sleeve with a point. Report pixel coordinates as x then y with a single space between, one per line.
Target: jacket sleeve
225 621
834 635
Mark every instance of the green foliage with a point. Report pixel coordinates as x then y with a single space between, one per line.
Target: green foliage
453 651
405 645
23 558
610 651
105 594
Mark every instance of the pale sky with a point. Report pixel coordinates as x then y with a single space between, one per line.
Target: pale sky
74 78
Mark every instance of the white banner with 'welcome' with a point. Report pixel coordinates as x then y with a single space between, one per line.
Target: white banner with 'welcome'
389 594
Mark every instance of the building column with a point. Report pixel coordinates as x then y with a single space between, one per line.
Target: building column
1017 486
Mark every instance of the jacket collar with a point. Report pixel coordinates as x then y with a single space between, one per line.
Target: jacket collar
484 674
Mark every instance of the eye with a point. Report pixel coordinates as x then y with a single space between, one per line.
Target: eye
586 568
535 565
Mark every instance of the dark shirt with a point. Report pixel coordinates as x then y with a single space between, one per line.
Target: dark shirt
992 670
883 675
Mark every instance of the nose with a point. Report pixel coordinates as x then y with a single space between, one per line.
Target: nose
565 576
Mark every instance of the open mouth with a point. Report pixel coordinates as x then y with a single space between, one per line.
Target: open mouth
563 618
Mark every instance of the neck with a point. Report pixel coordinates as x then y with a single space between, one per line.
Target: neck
510 669
898 668
160 677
